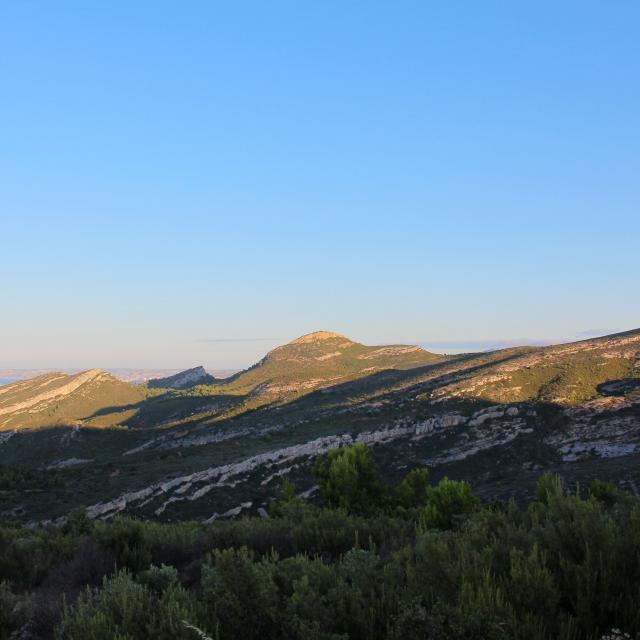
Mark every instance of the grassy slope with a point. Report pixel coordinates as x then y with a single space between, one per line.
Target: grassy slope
69 399
311 362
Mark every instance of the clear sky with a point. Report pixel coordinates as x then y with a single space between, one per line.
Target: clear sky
194 183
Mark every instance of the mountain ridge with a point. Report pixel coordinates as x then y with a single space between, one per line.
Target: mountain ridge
319 359
60 398
183 379
496 419
304 364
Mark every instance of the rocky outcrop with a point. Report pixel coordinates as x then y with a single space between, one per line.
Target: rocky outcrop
607 428
5 437
231 513
183 380
480 440
69 462
196 485
393 350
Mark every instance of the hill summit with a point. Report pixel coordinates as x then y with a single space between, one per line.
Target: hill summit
318 336
319 344
322 359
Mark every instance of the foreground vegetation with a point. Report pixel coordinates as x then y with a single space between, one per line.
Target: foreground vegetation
411 561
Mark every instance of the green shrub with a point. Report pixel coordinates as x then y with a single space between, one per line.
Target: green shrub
605 492
448 503
566 567
287 504
349 479
413 490
123 608
549 487
241 593
125 538
13 612
159 578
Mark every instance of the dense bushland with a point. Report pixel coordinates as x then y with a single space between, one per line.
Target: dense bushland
413 561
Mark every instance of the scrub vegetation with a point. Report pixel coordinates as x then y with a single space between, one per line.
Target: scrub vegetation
372 560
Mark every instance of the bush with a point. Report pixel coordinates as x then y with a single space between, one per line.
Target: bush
12 611
448 504
566 566
413 490
549 487
349 479
159 578
241 593
605 492
125 538
123 608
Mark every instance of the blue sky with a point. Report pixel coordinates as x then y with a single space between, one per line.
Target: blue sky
194 183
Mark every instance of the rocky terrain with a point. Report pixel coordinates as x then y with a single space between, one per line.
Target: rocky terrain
497 419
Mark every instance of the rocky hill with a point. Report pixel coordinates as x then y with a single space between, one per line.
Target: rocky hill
61 399
497 419
182 380
563 374
322 359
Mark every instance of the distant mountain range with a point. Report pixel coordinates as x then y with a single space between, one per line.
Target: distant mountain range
190 445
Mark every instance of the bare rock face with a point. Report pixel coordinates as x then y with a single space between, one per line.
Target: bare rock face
183 380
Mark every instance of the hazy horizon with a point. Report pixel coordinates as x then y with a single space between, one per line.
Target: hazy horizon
445 347
196 186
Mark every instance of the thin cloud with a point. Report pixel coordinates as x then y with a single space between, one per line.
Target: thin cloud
493 345
236 340
595 333
480 345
